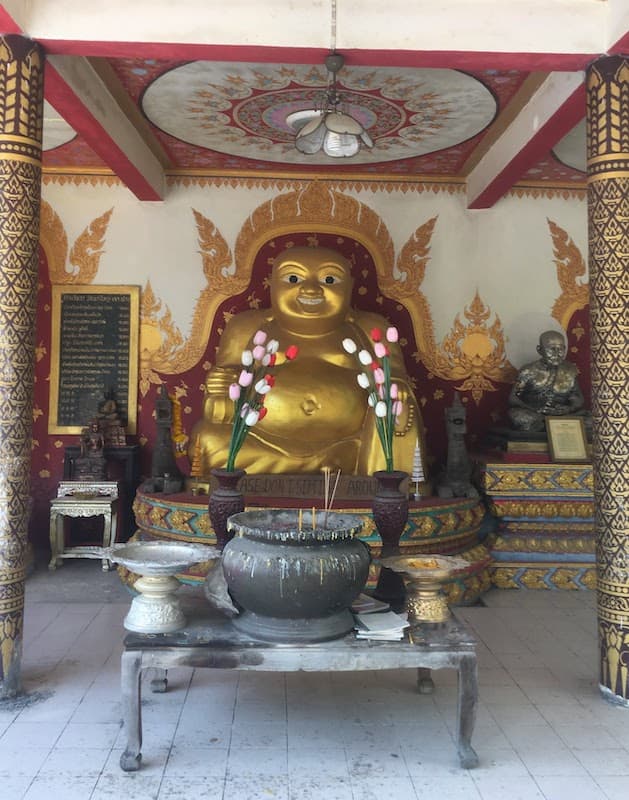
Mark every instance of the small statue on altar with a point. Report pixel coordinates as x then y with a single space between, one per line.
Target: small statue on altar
546 387
317 415
91 464
165 474
456 479
110 423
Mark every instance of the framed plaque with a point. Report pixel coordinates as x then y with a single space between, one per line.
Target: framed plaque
567 441
94 351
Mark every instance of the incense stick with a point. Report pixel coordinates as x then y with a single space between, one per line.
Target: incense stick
336 483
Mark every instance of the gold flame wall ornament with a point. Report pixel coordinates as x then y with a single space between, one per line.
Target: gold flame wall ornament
160 340
476 351
86 252
570 267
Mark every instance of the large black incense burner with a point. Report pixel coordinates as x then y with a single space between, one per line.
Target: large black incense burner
294 577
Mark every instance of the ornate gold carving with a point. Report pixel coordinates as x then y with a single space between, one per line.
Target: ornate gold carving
21 80
570 266
160 340
503 480
545 544
550 509
552 576
85 253
475 352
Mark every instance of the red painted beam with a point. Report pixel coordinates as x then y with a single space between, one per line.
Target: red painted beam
66 103
440 59
562 122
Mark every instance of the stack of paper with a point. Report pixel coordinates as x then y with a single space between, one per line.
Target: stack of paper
384 626
364 604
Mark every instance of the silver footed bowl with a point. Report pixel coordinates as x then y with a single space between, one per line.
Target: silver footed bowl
160 558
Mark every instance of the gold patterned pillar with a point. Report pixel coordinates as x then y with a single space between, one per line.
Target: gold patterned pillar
608 223
21 111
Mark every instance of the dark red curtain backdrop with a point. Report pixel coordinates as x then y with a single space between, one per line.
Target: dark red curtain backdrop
434 394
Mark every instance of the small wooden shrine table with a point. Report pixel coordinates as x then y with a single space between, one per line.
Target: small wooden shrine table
82 499
211 641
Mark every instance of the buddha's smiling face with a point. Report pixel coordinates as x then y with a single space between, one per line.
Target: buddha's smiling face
311 289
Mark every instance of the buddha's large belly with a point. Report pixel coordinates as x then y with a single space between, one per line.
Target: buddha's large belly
314 402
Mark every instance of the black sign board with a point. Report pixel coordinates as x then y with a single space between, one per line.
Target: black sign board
94 352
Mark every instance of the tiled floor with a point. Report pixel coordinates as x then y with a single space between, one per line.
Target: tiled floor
542 729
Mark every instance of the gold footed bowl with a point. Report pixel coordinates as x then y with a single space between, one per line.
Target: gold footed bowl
424 577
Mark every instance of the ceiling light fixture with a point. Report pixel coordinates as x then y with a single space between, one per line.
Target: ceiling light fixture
328 126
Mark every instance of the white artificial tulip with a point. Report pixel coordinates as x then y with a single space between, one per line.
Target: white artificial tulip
349 345
381 408
363 380
365 358
252 418
262 387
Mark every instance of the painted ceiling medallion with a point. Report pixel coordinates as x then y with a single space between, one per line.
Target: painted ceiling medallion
242 109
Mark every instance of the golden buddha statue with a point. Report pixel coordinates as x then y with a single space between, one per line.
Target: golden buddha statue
317 414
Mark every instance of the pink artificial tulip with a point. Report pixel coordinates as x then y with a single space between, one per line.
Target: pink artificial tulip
245 378
392 334
378 375
398 408
259 352
380 350
393 392
234 391
259 338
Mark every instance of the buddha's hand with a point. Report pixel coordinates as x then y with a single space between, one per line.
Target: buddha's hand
217 406
404 422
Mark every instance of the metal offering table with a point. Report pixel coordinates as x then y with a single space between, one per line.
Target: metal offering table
211 641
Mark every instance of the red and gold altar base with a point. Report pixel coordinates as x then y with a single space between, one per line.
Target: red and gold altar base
435 525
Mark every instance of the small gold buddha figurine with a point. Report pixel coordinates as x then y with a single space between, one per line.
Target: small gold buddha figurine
317 414
91 464
546 387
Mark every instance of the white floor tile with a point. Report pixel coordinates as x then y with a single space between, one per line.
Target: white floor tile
571 788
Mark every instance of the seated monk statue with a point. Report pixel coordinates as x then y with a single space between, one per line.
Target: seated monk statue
546 387
318 415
